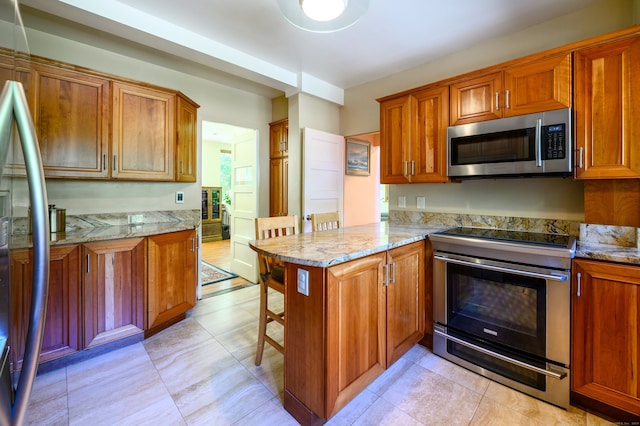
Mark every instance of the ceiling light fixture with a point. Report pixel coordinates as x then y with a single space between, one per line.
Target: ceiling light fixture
323 15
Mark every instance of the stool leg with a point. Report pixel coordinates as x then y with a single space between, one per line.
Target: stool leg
262 326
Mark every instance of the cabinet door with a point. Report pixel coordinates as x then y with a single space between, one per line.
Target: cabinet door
429 138
17 70
356 327
172 276
395 139
538 86
63 319
113 285
72 122
607 111
476 99
405 299
278 187
143 133
606 334
186 139
279 139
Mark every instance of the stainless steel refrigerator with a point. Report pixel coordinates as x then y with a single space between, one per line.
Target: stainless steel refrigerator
19 145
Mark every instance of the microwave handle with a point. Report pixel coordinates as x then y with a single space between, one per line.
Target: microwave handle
539 142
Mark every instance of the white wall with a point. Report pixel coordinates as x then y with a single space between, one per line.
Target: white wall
536 197
211 161
218 103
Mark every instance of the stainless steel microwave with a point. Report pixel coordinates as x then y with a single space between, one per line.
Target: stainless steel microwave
527 145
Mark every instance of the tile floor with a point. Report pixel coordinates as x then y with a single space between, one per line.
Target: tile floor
200 372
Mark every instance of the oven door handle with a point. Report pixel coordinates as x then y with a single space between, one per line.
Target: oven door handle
554 277
549 373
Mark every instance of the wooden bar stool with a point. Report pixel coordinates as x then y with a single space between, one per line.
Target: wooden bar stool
324 221
271 276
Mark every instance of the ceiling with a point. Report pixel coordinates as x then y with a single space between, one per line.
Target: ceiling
251 40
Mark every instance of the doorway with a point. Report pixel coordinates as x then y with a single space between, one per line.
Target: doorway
220 144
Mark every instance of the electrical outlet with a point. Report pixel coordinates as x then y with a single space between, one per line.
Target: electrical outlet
421 202
135 219
303 281
179 197
402 202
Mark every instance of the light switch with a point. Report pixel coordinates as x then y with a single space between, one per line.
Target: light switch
179 197
402 202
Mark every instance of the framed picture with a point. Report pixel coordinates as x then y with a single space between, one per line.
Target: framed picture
357 158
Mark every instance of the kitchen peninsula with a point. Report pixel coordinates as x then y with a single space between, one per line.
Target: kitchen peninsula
363 307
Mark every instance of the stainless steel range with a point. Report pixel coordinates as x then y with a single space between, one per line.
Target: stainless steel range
502 307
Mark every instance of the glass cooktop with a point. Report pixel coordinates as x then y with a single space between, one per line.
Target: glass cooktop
525 237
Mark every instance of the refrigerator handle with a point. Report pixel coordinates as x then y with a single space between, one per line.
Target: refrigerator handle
40 237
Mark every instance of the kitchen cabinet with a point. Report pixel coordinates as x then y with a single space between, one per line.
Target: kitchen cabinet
211 213
413 131
357 319
172 277
114 278
607 112
606 338
62 331
186 138
539 85
279 168
143 138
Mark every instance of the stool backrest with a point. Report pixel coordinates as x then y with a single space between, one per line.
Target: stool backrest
324 221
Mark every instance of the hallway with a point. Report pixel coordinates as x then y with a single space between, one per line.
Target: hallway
218 253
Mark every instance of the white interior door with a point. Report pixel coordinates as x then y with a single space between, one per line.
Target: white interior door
244 205
322 174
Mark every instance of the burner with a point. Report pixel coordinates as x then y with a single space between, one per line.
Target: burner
555 240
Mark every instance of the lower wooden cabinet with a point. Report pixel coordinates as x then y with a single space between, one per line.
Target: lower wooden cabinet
605 358
63 320
114 277
358 318
172 261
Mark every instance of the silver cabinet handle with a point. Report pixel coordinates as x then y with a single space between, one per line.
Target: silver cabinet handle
413 168
497 101
393 272
579 277
406 165
104 161
554 277
510 360
88 264
506 103
114 162
580 154
385 277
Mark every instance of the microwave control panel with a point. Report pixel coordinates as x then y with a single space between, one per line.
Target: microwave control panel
554 142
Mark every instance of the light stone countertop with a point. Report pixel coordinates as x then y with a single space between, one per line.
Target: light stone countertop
327 248
611 253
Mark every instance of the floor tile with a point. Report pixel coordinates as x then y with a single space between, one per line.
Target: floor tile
48 405
383 413
453 372
271 413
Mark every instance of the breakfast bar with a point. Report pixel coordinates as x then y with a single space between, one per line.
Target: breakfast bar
363 307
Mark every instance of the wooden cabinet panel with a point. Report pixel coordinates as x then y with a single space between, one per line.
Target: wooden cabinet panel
279 138
279 168
186 139
429 136
607 113
113 284
356 315
405 300
172 262
63 318
536 86
476 99
395 139
143 138
71 116
606 335
279 187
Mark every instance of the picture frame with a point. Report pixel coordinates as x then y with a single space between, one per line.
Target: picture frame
357 158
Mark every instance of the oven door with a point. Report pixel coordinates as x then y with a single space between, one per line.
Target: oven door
523 308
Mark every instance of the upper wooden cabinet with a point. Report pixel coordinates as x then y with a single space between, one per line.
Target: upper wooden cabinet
186 139
279 138
606 338
279 168
71 116
143 138
607 111
413 131
539 85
